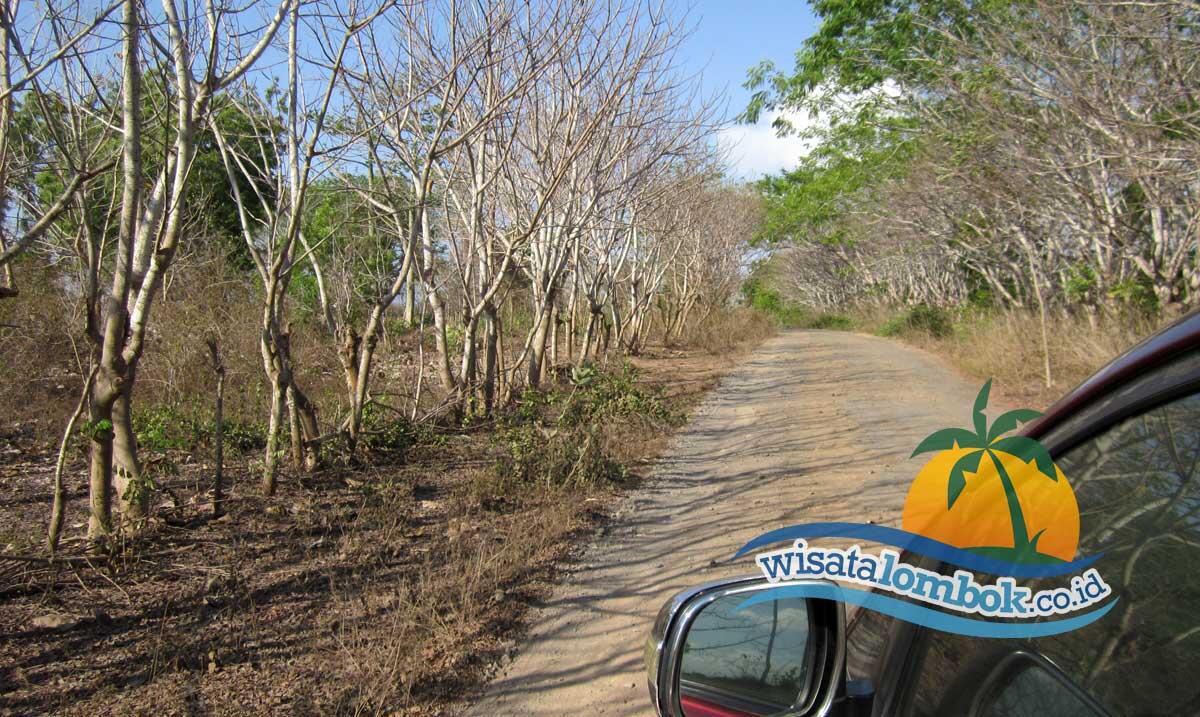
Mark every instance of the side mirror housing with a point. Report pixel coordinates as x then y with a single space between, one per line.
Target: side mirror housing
710 655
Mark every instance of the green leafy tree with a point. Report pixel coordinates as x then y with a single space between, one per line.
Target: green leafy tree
341 222
208 200
842 75
859 46
811 202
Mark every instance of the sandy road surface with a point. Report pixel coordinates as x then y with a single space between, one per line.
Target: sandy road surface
812 426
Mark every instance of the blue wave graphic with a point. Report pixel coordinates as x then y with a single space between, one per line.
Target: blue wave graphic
927 617
918 544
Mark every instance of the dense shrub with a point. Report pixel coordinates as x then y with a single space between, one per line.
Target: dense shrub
386 432
833 322
920 319
569 456
166 427
609 394
562 436
785 314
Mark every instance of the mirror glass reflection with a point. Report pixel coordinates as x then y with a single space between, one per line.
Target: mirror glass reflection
753 661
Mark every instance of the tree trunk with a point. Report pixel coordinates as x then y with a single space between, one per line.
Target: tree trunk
433 296
440 341
218 367
58 506
133 489
116 321
270 473
467 380
537 353
1035 278
350 354
585 345
100 472
295 434
410 295
490 360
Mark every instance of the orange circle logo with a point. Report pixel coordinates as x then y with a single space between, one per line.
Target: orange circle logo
997 495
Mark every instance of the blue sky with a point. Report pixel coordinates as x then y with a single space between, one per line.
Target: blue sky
730 37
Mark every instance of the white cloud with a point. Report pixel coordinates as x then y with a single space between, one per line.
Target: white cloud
755 150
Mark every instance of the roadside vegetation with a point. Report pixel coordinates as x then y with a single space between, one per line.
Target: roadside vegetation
1011 185
393 586
986 342
326 330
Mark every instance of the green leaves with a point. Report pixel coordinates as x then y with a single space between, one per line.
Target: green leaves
946 439
859 45
101 430
1028 449
809 204
1009 421
958 479
981 402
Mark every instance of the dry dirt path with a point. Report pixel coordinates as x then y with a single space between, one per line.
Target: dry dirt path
814 425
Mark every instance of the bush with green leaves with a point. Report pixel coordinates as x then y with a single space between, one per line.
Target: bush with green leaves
566 456
831 322
611 394
386 432
558 437
1136 293
920 319
759 296
243 435
166 427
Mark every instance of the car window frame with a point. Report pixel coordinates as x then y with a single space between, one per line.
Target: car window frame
1163 389
990 683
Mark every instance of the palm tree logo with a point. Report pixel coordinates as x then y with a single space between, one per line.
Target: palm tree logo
990 441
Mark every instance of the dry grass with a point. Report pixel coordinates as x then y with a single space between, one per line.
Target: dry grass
390 589
45 357
723 332
1007 347
382 592
413 644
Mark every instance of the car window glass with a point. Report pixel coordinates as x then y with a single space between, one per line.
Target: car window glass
1025 686
1138 489
760 653
1139 493
867 643
874 639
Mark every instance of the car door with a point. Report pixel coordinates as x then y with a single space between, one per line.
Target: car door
1133 459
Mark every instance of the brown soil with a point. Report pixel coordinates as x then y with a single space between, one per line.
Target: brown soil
392 590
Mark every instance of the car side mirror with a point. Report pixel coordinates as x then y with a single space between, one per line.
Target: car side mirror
712 655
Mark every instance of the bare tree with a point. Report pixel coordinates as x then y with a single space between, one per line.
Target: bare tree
218 367
273 238
34 45
150 222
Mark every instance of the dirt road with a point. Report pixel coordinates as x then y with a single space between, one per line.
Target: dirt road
812 426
